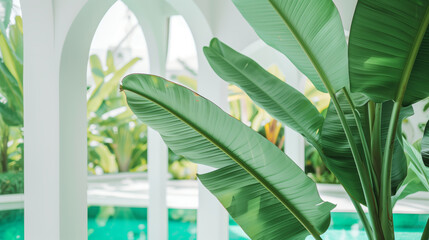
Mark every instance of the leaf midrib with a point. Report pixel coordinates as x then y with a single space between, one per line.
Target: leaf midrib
321 73
412 57
306 50
304 222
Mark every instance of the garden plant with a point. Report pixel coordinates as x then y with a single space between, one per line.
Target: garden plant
372 82
11 99
117 140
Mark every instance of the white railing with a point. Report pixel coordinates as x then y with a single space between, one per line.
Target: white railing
114 190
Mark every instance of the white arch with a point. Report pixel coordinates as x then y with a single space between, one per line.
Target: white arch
55 103
72 90
73 85
55 89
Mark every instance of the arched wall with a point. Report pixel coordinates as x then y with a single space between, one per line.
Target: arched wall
72 77
73 123
57 41
152 18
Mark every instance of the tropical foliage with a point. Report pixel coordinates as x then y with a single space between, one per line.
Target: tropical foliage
244 109
11 96
11 100
250 169
371 81
117 140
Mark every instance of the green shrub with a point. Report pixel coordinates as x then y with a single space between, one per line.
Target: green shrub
11 183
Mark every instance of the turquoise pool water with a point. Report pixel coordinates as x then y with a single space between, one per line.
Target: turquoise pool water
119 223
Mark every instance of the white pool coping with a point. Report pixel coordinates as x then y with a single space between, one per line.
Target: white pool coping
131 190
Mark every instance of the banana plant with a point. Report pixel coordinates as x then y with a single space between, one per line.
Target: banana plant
371 81
116 138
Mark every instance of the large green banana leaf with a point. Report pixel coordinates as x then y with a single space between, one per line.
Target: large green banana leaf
425 146
399 162
282 101
418 174
337 153
385 50
309 32
263 190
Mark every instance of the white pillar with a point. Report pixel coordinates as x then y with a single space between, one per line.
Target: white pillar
55 133
294 142
295 147
41 123
55 116
157 176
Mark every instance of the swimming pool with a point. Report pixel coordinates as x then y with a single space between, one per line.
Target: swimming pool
117 223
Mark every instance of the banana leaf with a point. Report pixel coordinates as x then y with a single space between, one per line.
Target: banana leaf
418 174
309 32
337 154
280 100
263 189
388 47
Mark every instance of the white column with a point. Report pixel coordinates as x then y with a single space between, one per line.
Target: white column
41 123
157 176
55 131
55 117
294 142
295 147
